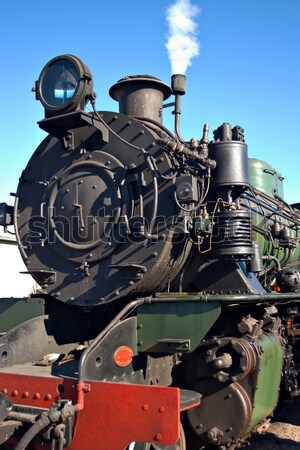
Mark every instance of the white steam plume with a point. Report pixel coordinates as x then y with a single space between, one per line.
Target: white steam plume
182 42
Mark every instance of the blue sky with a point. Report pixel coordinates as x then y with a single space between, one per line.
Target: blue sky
247 72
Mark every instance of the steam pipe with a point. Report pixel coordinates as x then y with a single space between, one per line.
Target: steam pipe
272 258
228 298
178 82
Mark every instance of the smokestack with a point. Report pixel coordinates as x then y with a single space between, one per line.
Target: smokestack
141 96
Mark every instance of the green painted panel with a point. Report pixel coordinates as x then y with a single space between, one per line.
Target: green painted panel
174 326
269 377
265 178
14 311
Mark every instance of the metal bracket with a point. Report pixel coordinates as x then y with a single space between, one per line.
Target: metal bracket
175 345
61 127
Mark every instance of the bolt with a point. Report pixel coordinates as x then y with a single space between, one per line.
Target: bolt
161 409
158 437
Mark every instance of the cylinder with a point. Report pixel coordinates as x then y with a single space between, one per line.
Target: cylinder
232 164
141 96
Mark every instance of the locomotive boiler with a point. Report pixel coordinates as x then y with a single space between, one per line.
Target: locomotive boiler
170 274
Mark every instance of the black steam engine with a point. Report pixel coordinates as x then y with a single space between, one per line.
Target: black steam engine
170 272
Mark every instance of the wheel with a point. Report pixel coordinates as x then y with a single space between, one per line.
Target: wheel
179 445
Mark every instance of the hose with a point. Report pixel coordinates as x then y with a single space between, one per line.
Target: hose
43 422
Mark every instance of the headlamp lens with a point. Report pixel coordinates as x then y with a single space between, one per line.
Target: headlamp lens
60 82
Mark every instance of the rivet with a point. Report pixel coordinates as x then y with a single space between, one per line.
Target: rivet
161 409
158 437
5 391
25 394
145 407
14 393
37 395
48 397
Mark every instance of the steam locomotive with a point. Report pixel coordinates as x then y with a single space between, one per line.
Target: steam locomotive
170 273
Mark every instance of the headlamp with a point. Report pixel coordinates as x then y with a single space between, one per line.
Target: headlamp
64 85
6 215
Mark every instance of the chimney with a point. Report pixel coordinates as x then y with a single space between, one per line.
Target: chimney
141 96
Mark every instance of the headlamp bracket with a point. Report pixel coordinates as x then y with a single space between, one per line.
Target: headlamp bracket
62 126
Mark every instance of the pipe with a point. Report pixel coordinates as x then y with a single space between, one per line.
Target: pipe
240 298
272 258
43 422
